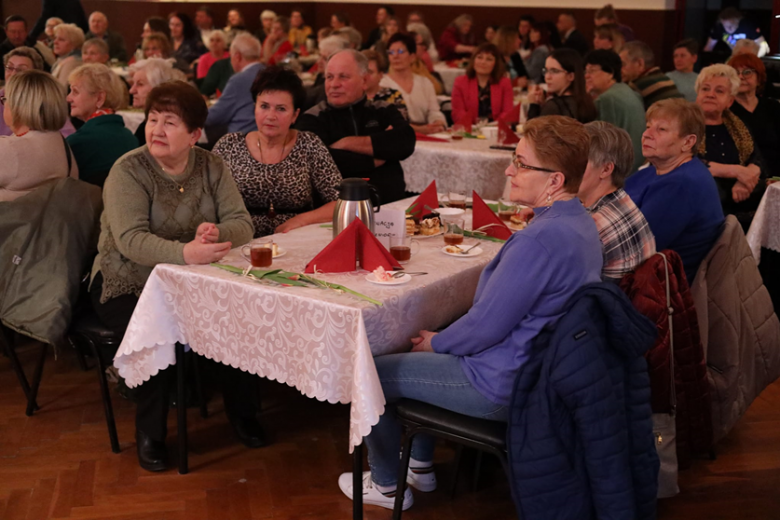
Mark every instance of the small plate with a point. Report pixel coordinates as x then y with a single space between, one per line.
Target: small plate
395 281
420 235
280 252
474 252
444 199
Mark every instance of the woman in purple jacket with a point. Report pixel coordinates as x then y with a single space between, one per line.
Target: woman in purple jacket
470 366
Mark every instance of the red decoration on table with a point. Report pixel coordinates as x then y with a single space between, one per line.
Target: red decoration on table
484 216
506 135
356 244
465 122
429 197
423 137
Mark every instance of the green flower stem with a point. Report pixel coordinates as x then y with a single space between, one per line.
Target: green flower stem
481 236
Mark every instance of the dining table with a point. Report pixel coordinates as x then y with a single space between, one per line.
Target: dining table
764 231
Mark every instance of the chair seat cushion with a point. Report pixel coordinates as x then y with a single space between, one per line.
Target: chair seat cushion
492 433
88 323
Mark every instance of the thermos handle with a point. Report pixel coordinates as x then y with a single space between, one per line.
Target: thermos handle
376 201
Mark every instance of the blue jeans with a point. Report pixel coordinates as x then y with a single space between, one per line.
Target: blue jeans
437 379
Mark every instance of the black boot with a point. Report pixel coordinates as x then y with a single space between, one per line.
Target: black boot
152 454
248 430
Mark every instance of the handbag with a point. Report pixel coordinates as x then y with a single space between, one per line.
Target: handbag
664 427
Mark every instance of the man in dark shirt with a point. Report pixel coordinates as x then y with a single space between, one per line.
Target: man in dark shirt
732 27
16 36
367 139
640 72
570 36
98 28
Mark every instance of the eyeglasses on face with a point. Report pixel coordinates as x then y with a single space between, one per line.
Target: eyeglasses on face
593 70
14 70
399 52
520 166
552 71
746 73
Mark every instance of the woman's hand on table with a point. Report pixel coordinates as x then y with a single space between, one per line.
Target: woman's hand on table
422 343
199 253
208 233
294 223
740 192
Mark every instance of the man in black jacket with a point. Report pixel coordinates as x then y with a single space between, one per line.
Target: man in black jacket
366 138
570 36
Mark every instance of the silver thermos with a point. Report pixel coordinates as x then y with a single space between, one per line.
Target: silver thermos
357 199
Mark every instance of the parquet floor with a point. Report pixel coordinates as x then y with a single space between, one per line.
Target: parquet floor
58 464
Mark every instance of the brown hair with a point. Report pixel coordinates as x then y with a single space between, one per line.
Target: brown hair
561 144
498 70
506 39
165 43
372 55
180 98
612 33
607 12
689 116
751 61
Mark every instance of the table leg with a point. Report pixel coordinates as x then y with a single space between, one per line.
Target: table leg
181 410
357 483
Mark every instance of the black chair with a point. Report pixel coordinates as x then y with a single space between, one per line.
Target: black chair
418 417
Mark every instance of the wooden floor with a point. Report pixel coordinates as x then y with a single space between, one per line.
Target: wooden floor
58 463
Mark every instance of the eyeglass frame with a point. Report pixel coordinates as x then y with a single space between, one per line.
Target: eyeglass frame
14 69
520 166
746 73
545 70
399 52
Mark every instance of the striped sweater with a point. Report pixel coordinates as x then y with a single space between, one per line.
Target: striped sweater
654 86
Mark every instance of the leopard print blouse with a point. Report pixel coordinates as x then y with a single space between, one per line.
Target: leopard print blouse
307 178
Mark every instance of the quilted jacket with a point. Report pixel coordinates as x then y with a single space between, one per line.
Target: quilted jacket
739 328
580 437
646 287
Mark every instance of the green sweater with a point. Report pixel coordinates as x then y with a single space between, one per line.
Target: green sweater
149 216
98 144
623 107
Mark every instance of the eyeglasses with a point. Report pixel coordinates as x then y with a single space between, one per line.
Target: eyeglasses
746 73
593 70
399 52
520 166
14 70
552 71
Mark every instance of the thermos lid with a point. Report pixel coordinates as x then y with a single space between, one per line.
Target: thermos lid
354 189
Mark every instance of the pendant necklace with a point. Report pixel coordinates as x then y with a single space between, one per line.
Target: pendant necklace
180 187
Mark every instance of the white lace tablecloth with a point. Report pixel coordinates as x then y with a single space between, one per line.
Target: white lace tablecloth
469 164
448 75
318 341
765 229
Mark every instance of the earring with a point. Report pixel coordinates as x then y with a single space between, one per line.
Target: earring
549 199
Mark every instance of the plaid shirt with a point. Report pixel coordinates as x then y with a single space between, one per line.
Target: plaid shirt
626 238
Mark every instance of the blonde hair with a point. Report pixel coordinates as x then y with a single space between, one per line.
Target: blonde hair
25 52
689 116
72 33
505 39
37 101
719 70
97 77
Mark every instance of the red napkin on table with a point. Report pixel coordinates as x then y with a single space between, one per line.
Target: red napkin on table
423 137
484 216
429 198
506 135
356 243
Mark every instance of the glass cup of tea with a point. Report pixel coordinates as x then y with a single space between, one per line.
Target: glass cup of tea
457 132
453 230
401 248
457 199
506 208
261 252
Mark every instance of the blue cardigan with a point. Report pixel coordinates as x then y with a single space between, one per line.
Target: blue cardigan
523 289
580 438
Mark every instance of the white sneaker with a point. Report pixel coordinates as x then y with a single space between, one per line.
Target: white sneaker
371 495
423 479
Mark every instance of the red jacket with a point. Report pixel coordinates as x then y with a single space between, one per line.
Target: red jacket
450 38
465 98
280 53
646 287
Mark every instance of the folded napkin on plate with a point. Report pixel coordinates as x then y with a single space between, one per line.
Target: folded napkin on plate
484 219
506 135
354 245
423 137
429 198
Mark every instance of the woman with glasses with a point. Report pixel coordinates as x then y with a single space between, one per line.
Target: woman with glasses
470 366
418 92
761 114
566 95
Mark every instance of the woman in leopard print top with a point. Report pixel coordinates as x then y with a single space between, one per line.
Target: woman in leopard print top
287 178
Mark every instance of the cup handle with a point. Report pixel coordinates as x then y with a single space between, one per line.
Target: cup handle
243 254
415 243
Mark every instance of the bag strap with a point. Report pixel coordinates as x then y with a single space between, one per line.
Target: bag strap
68 154
670 312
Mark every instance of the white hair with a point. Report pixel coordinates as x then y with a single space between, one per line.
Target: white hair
158 70
220 34
333 44
72 33
719 70
423 31
268 15
247 46
360 59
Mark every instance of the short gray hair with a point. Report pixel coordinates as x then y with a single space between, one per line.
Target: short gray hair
610 144
360 60
220 34
423 31
158 70
25 52
333 44
268 14
247 46
72 33
101 45
719 70
352 35
640 51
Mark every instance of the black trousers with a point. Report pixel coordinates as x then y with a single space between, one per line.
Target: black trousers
239 389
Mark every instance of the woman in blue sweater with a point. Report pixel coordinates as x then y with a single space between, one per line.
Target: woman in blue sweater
470 366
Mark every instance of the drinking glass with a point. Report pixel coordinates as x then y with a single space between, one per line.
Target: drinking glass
401 247
453 230
261 252
457 199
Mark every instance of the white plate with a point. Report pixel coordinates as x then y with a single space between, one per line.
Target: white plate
444 198
450 212
420 235
280 252
474 252
395 281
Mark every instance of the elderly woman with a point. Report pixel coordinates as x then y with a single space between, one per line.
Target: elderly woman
277 44
626 238
471 365
187 45
95 94
267 19
287 178
483 92
566 94
95 50
539 49
418 92
457 41
146 75
174 203
217 51
728 148
761 114
508 42
377 66
676 193
68 39
35 110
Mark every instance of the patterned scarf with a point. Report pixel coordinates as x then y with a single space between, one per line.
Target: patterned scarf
739 134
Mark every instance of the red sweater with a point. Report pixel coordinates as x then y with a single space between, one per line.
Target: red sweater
465 98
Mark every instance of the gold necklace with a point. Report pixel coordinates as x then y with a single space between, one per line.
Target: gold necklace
170 176
281 155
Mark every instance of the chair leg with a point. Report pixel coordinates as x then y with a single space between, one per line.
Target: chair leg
108 409
36 382
458 458
181 410
400 490
204 410
6 339
357 482
80 356
477 471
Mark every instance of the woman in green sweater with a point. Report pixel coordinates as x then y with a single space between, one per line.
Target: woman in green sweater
169 202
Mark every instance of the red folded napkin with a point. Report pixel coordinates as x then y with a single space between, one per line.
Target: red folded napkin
423 137
429 197
484 216
356 244
511 116
506 135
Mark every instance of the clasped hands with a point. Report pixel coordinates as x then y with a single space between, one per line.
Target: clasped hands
205 248
747 179
422 343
